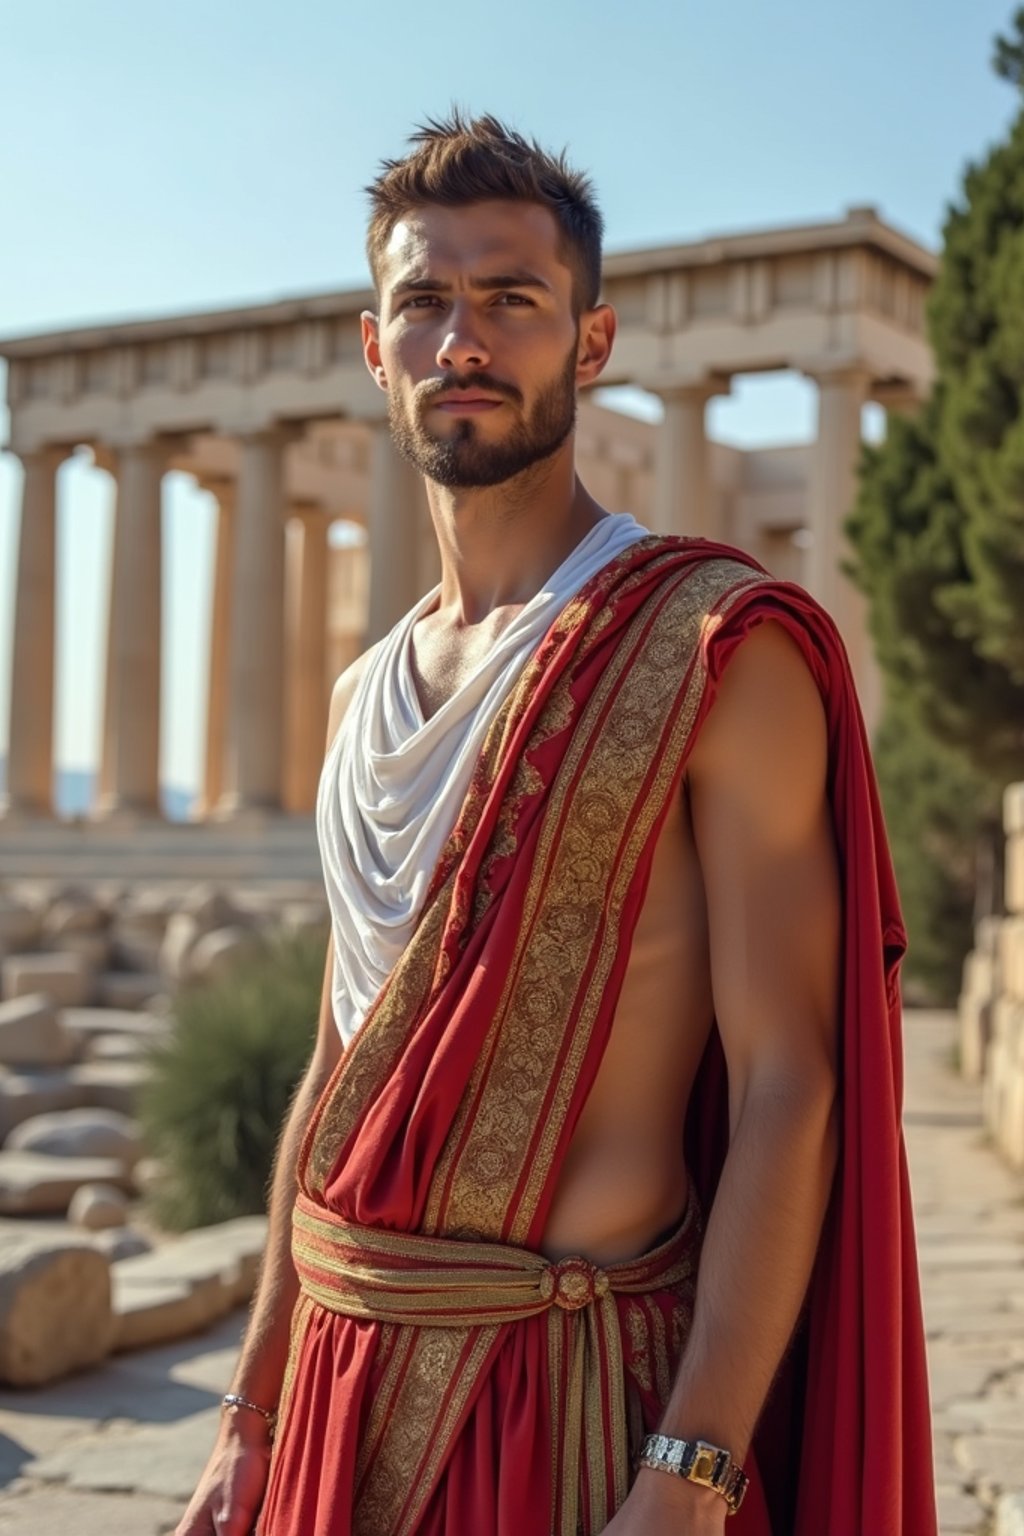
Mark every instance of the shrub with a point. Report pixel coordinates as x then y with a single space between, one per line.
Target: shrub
221 1084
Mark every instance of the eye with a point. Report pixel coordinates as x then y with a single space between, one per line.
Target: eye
419 301
516 299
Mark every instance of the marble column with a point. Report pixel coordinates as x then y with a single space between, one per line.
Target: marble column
30 741
397 505
255 730
220 625
308 687
683 501
832 489
131 735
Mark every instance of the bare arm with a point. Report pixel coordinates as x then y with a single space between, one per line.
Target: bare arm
233 1483
763 831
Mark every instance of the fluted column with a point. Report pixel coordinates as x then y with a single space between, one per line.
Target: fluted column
131 735
30 741
397 505
254 750
307 691
220 621
832 489
682 480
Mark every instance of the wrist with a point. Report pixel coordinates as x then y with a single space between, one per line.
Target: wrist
700 1511
247 1422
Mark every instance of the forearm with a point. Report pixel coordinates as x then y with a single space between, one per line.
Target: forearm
261 1363
759 1247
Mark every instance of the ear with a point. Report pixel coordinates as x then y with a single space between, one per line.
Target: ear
597 335
370 327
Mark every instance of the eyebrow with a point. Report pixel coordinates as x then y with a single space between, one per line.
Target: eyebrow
427 284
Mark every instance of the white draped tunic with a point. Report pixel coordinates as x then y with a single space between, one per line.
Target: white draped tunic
393 783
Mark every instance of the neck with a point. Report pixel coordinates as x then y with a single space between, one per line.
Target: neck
499 544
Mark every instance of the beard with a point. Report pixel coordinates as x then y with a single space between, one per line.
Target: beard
464 460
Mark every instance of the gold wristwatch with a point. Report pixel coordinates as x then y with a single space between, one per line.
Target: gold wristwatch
698 1462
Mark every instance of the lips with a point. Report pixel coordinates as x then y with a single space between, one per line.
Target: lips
458 401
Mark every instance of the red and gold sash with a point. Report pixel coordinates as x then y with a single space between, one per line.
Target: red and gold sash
448 1117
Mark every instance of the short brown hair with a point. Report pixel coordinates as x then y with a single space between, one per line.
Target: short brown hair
459 160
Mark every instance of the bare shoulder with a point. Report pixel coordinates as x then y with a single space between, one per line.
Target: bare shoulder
343 692
764 742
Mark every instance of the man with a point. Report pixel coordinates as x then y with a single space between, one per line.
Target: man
605 862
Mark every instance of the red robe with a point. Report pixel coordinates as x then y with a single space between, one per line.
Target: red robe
449 1116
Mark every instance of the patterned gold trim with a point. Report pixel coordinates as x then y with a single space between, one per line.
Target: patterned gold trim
625 749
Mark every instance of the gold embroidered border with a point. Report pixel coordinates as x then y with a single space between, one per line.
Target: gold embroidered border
568 894
672 640
371 1058
399 1478
485 1161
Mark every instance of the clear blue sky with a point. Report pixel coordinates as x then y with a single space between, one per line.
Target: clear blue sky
157 159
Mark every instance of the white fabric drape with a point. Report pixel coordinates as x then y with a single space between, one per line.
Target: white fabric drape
393 783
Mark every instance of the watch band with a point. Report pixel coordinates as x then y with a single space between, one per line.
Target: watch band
698 1462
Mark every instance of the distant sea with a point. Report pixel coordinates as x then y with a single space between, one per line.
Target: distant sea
75 791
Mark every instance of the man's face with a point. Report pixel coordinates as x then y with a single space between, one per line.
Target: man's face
477 341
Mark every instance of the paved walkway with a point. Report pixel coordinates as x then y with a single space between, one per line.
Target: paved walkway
970 1224
116 1452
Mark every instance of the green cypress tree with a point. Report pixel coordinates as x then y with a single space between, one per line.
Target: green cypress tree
938 545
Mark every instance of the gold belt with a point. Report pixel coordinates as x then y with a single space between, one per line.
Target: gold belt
435 1282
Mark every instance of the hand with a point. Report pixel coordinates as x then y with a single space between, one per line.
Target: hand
659 1504
230 1492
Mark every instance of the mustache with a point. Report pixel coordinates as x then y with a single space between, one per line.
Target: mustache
485 381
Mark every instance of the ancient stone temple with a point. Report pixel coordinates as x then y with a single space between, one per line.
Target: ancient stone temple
271 408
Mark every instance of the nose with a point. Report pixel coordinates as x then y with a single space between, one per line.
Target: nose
462 346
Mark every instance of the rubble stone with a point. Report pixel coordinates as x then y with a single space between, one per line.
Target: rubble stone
36 1182
85 1132
96 1206
67 979
55 1308
32 1033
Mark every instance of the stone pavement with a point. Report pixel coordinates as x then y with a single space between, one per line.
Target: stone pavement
116 1451
970 1224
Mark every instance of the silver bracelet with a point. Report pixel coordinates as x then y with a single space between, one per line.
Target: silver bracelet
233 1400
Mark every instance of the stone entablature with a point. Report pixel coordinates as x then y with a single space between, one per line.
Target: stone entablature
271 408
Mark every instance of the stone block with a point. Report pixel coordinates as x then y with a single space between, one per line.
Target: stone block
94 948
140 952
55 1308
76 910
65 978
979 975
311 917
35 1091
32 1033
130 990
1013 808
121 1242
986 934
86 1023
209 906
110 1084
35 1183
20 926
219 953
96 1206
1014 874
975 1016
159 1310
181 936
185 1285
1010 1509
85 1132
117 1048
1011 958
